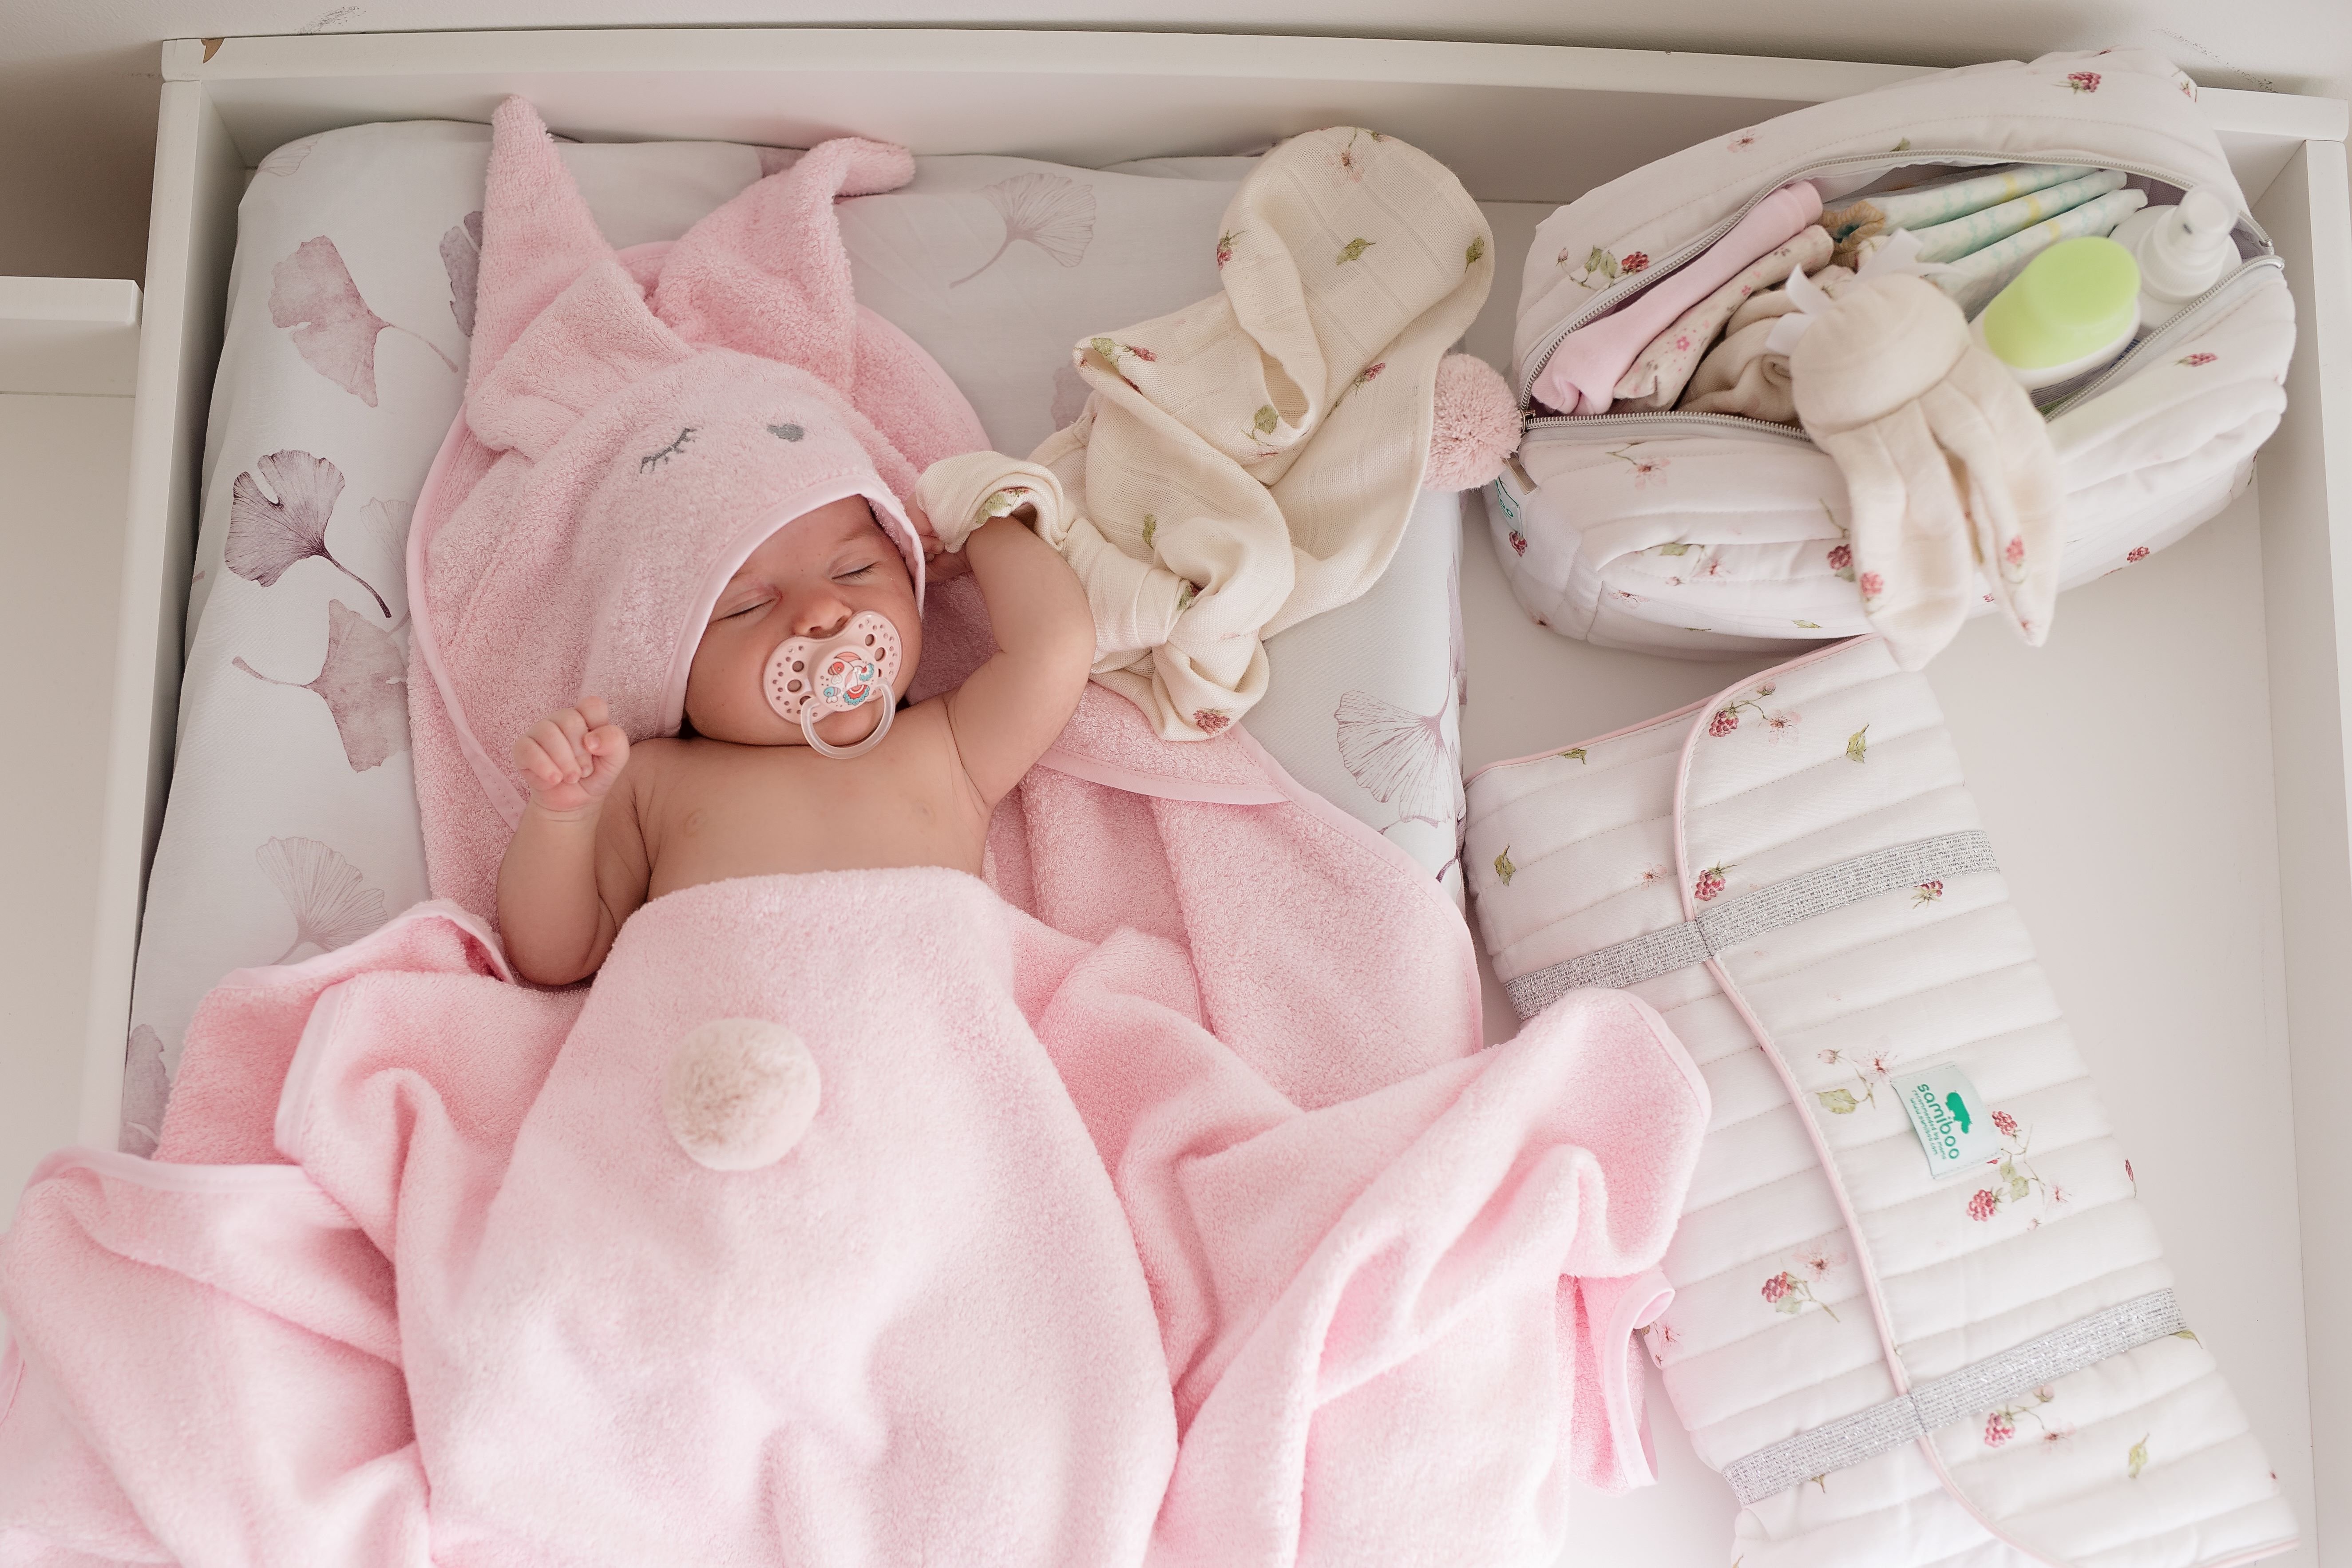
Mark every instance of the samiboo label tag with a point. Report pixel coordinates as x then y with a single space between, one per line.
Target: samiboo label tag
1954 1125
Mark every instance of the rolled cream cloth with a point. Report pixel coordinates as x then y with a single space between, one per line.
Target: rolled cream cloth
1951 485
1852 221
1581 376
1962 235
1251 460
1975 279
1740 375
1664 365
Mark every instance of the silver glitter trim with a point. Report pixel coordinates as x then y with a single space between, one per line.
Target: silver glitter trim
1727 924
1958 1397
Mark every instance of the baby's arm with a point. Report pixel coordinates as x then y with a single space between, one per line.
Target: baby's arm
576 867
1010 711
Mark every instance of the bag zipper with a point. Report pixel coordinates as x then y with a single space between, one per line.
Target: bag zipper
1630 425
1852 162
2170 333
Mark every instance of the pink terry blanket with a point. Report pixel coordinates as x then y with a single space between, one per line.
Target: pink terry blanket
1160 1207
1177 1220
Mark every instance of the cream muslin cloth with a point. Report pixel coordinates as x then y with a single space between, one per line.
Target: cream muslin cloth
1250 460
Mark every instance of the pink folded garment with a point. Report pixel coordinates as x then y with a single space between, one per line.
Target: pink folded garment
1585 367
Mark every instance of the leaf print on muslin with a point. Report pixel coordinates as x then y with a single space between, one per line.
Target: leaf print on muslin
461 258
1399 757
2137 1459
266 536
311 293
1857 745
1354 249
363 680
1504 869
1052 212
331 902
146 1088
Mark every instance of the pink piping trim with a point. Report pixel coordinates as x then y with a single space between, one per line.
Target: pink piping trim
1638 1307
496 786
739 550
168 1177
1732 994
1677 1052
493 780
1683 711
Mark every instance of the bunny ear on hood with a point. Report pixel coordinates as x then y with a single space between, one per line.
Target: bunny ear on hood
537 235
768 273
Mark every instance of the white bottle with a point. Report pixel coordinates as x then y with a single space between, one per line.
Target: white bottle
2181 250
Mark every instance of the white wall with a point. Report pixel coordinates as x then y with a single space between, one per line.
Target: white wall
77 78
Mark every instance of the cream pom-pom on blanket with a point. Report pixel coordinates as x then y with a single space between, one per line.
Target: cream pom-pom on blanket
1250 460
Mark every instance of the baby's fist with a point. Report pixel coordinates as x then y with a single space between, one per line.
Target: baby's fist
572 757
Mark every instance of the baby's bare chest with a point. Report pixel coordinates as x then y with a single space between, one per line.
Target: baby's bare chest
750 812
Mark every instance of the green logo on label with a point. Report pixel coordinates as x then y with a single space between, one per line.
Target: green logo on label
1959 1110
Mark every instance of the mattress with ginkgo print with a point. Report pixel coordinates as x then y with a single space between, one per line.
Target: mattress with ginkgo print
1920 1316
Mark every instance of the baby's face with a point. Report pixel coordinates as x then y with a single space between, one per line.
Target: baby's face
806 581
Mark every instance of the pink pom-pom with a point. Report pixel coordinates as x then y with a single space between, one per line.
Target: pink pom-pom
1475 427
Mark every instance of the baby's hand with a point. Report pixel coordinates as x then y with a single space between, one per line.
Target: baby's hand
573 757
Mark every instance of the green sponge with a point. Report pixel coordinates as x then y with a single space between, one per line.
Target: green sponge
2071 301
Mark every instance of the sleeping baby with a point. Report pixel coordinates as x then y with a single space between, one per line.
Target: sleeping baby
793 757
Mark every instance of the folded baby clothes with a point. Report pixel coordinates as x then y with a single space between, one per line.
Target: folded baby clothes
1658 376
1976 278
1582 374
1962 235
1250 461
1741 375
1852 221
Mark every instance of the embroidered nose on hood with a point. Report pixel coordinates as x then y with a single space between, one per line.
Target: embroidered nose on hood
635 425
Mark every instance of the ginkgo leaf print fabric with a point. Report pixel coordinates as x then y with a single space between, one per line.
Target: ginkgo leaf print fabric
1052 212
311 294
267 535
363 680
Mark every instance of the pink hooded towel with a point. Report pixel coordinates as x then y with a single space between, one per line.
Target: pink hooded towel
1161 1208
634 427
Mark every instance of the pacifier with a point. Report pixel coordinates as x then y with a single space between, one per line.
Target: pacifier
808 678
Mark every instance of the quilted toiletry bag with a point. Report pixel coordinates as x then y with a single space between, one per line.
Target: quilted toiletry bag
1699 533
1920 1318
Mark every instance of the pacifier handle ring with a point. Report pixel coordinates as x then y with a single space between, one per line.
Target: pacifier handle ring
809 711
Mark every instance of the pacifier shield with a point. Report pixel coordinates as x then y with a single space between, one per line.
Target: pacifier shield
855 666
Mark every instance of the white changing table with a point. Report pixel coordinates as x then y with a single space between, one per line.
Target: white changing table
2167 781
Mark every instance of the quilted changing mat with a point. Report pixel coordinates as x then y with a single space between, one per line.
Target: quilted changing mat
1919 1315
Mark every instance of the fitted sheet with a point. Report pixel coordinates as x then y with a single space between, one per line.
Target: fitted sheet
291 826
